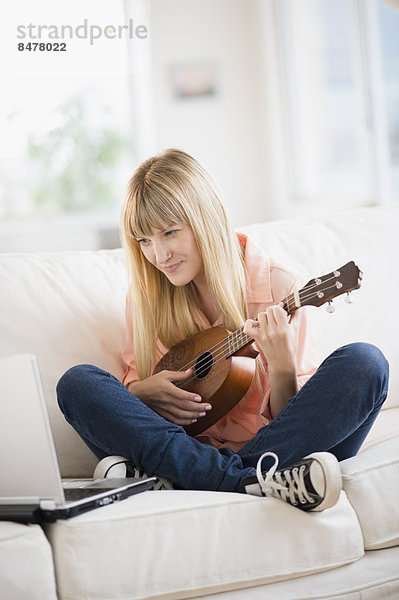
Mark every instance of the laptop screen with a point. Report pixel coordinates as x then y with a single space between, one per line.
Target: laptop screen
29 465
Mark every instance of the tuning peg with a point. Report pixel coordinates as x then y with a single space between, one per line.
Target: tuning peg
330 308
349 298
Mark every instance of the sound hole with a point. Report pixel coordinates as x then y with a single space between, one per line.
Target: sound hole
203 365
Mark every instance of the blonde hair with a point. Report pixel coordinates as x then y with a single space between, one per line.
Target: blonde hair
170 188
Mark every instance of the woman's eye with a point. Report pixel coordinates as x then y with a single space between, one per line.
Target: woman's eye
143 241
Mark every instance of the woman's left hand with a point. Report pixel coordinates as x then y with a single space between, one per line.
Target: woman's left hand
276 333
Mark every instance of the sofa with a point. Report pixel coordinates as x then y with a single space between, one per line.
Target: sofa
68 308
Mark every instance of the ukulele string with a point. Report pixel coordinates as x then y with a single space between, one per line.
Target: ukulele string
219 346
223 345
290 303
313 285
234 337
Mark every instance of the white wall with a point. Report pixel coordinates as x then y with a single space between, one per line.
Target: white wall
224 132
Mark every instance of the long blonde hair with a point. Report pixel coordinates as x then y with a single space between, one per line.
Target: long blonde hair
170 188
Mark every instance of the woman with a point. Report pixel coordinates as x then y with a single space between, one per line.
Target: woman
188 271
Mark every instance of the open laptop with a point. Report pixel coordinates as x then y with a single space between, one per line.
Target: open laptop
31 489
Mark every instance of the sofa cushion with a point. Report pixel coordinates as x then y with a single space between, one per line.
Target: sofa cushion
374 577
386 426
371 482
180 543
26 564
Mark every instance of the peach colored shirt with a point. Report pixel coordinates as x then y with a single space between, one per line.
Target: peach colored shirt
267 284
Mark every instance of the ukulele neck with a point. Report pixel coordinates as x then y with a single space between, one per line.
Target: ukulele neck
315 293
238 339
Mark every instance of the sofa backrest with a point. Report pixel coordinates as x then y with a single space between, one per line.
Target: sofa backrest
68 307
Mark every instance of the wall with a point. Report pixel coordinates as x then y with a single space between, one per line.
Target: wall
225 131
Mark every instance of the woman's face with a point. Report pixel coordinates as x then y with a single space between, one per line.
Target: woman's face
175 253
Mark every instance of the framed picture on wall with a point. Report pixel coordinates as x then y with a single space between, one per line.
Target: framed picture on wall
194 80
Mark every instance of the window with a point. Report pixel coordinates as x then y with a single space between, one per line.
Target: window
66 137
340 87
388 24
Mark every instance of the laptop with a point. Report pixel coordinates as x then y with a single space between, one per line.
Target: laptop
31 489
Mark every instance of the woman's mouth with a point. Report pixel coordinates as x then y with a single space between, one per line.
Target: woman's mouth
172 268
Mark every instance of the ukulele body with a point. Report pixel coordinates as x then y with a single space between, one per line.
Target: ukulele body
221 381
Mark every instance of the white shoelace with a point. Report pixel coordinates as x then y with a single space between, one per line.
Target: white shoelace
273 485
161 484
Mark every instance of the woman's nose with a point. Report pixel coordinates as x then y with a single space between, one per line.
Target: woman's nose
162 253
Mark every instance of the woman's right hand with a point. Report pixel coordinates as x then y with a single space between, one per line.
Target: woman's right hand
160 394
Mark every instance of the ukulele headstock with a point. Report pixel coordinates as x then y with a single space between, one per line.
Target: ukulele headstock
323 289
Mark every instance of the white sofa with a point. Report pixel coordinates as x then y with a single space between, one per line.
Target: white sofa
68 308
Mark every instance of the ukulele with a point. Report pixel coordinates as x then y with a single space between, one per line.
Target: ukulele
223 363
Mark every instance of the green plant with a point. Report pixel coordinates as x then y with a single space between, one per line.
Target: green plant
75 163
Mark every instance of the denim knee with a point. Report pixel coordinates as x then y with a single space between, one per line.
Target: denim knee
71 382
367 363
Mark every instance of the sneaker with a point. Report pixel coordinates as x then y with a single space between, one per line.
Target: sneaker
112 467
313 483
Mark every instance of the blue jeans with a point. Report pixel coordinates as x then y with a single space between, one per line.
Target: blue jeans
332 412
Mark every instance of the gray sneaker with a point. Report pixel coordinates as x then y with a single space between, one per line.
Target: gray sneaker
313 483
112 467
